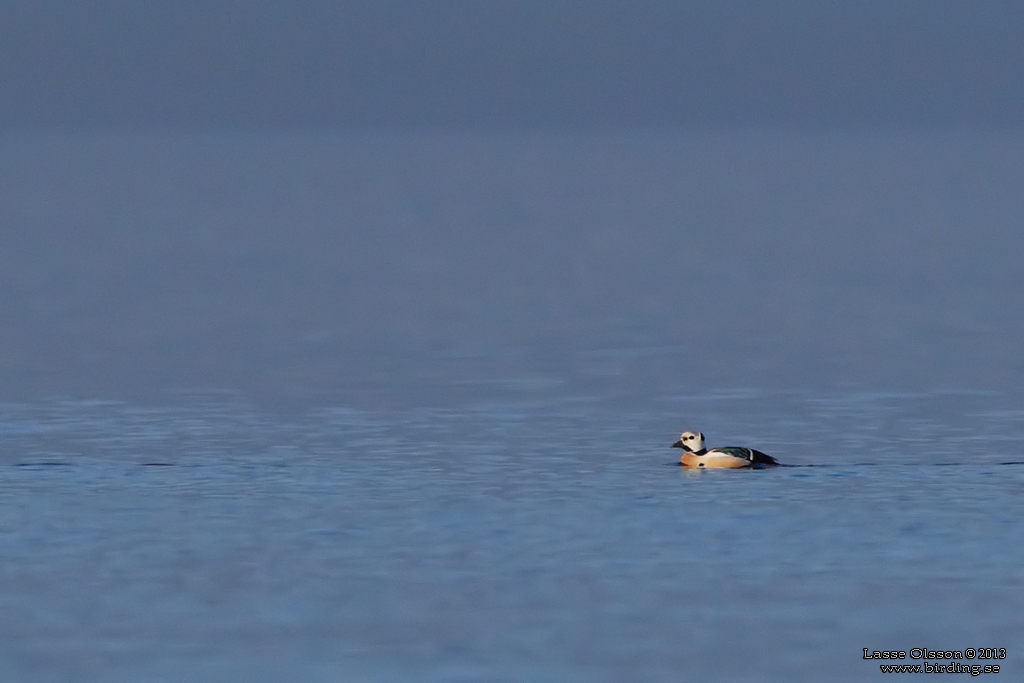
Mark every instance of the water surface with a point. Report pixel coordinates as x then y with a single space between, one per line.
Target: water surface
533 540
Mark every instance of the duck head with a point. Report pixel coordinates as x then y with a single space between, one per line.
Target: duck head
690 441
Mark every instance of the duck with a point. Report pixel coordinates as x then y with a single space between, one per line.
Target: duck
696 456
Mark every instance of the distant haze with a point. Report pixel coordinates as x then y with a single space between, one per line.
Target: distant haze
334 267
371 203
529 63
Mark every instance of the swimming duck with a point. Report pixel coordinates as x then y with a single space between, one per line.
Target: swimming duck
695 456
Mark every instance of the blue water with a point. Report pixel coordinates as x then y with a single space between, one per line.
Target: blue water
536 540
325 406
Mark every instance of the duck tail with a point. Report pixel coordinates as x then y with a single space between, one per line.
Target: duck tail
760 458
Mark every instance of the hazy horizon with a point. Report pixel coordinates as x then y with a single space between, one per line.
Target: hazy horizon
387 201
386 268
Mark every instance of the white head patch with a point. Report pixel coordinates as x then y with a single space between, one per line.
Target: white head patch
694 441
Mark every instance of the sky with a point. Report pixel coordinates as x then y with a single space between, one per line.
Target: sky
511 64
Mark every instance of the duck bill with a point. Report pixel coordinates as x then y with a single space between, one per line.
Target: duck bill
678 444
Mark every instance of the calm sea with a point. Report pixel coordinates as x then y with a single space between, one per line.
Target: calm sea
397 407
